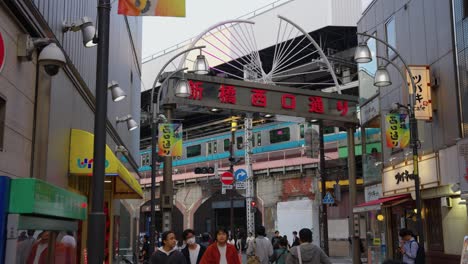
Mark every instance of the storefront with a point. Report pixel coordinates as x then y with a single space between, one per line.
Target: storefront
42 222
120 183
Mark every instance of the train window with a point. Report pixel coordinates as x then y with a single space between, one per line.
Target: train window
257 139
227 144
301 130
240 142
145 159
280 135
193 151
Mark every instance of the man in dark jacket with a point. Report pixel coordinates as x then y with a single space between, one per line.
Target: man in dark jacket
168 254
193 252
306 251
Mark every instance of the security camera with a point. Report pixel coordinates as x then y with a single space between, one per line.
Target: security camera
52 58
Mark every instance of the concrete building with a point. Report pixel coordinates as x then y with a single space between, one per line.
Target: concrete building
46 123
422 32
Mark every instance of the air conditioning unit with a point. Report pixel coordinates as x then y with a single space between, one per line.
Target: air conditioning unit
446 202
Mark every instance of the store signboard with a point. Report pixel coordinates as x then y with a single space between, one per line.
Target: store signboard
422 81
373 192
398 179
33 196
370 110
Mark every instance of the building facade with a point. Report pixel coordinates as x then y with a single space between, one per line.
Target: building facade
421 31
46 121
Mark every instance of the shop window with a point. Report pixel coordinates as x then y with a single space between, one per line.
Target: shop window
193 151
227 144
240 142
2 121
280 135
390 33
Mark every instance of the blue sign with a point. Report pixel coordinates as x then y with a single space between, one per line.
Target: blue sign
4 201
240 175
328 199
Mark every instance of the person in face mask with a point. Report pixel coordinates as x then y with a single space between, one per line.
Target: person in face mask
193 252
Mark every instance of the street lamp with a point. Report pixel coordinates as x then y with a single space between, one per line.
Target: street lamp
383 79
182 90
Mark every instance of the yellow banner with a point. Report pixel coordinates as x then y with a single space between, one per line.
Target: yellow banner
171 8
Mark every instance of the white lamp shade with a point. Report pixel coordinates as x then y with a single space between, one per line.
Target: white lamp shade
131 124
201 65
382 77
182 89
88 31
362 54
117 93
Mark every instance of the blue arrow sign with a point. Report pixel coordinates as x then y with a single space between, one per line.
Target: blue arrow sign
328 199
240 175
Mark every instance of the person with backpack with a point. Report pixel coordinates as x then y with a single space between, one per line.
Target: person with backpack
410 249
260 248
306 252
279 255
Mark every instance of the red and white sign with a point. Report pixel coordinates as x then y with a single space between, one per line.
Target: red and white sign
227 178
2 52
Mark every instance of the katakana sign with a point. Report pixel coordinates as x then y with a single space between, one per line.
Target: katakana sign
423 100
222 93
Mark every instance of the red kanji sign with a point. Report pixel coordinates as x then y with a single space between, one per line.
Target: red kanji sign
2 52
316 105
196 91
288 101
227 178
259 98
342 106
227 94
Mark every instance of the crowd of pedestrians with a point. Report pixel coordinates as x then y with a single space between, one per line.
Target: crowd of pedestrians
226 248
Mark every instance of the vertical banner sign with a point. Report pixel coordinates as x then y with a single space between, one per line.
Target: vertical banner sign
170 140
397 130
172 8
422 80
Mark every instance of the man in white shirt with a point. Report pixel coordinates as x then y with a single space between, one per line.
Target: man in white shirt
192 252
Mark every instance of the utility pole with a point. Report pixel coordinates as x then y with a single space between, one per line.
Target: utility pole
324 191
249 193
353 219
167 196
231 169
97 218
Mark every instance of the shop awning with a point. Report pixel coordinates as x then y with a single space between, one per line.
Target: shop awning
81 164
376 204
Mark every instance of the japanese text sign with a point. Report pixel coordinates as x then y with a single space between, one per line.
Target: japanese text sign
397 131
422 81
170 140
221 93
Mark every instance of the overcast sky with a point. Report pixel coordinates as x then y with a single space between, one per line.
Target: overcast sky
160 33
163 32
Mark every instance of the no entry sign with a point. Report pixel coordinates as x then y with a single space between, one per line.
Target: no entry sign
2 52
227 178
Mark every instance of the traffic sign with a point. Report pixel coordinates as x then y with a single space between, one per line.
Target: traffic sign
328 199
241 185
2 52
227 178
240 175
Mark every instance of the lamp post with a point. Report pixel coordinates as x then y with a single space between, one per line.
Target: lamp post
382 78
97 218
182 90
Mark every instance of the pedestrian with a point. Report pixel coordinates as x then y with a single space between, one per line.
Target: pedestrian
249 238
239 242
39 250
193 252
260 246
167 253
145 250
24 247
232 241
295 239
221 252
275 240
306 252
206 239
287 241
408 246
279 257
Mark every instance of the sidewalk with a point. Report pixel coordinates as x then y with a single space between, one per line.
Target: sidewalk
341 260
